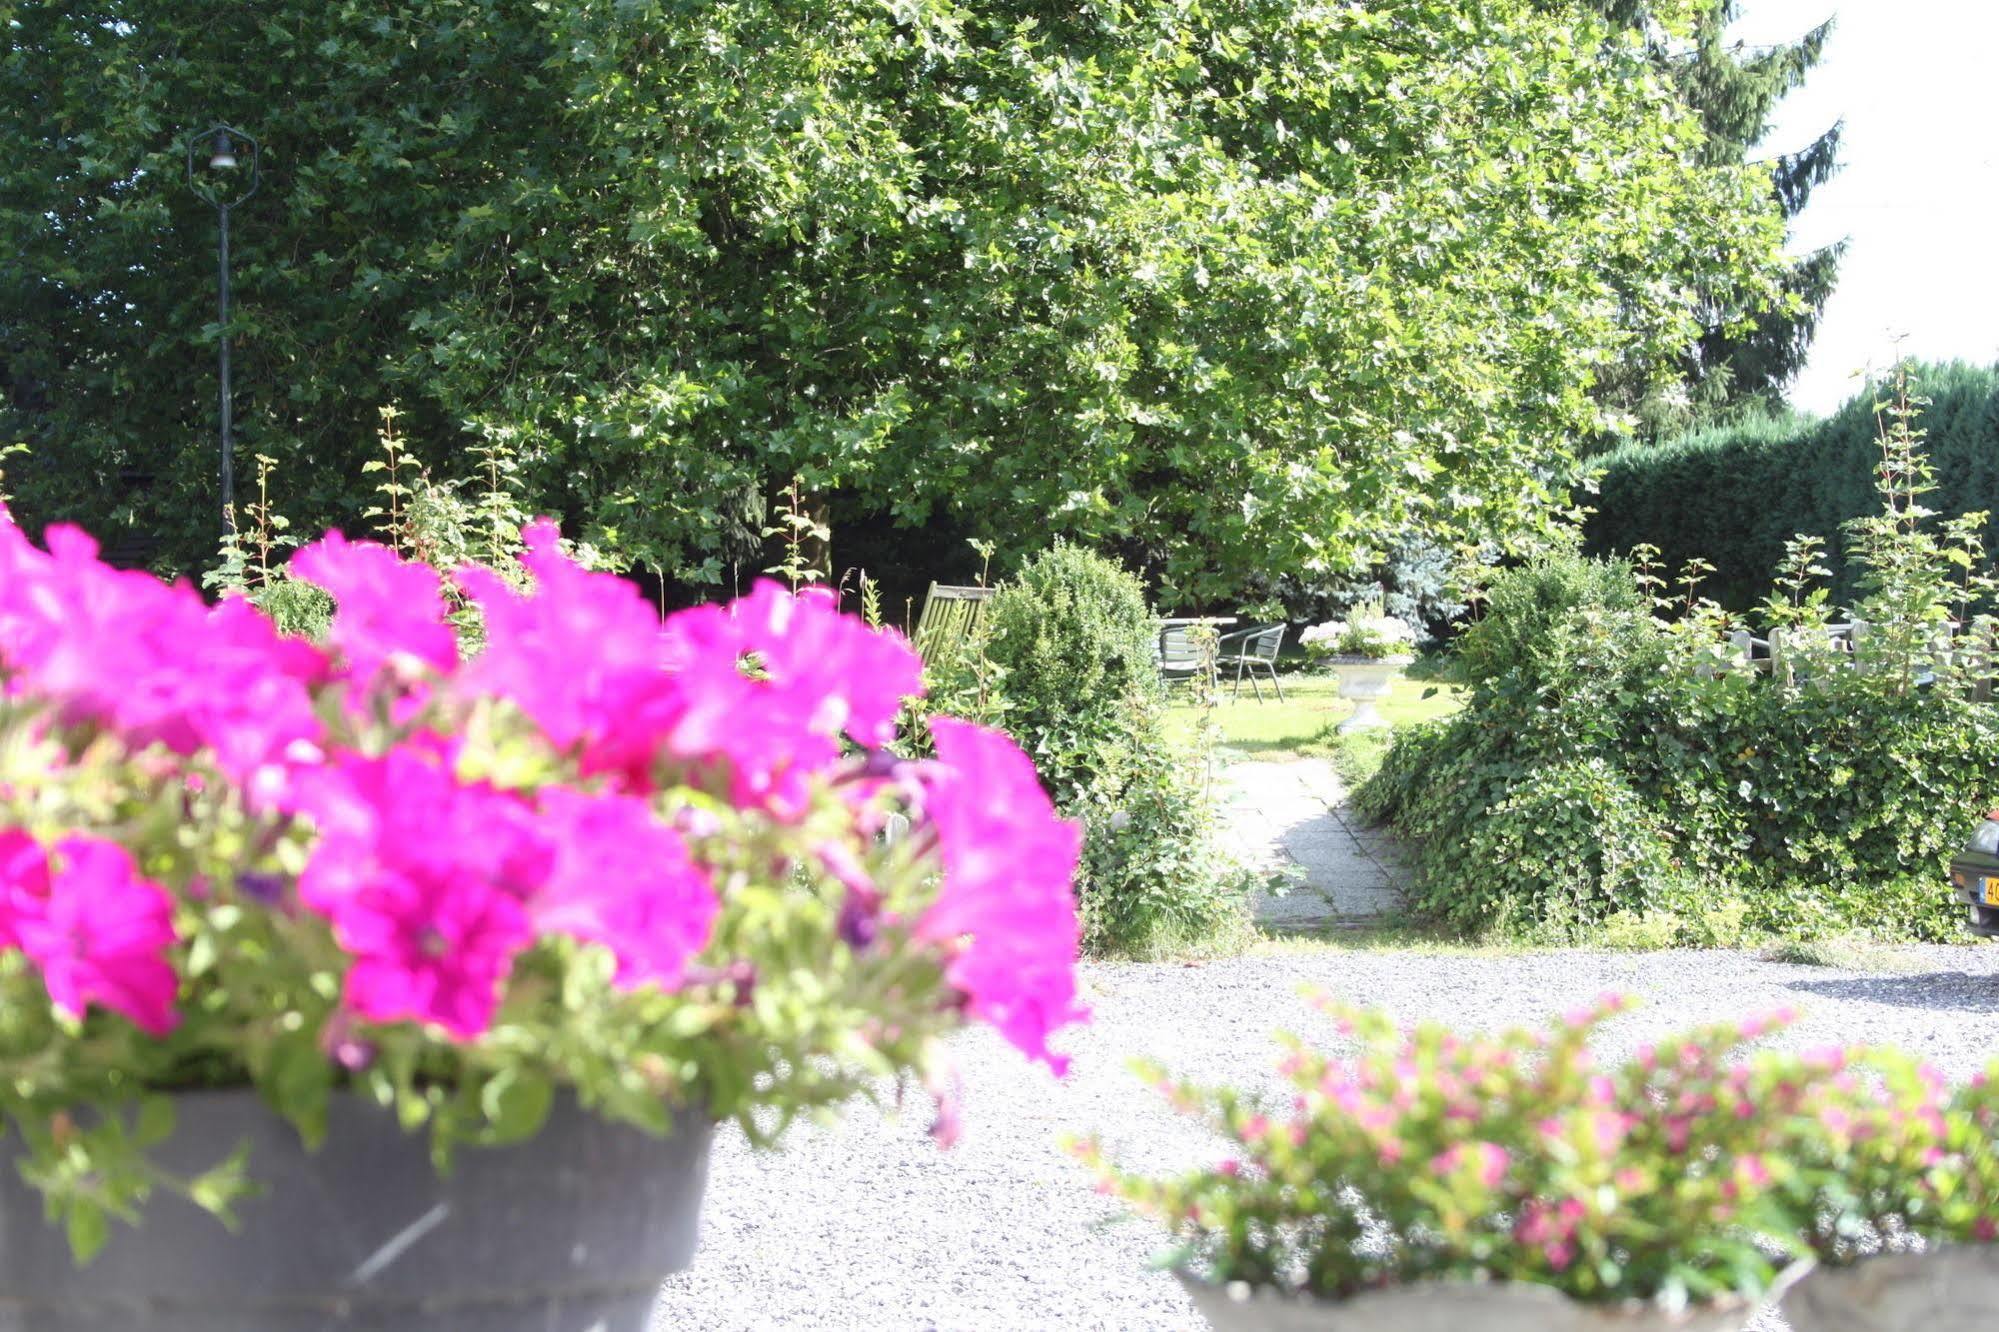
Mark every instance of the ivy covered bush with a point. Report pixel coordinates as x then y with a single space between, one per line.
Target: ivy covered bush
1618 762
1070 643
1778 810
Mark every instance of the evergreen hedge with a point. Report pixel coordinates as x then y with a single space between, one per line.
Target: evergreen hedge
1734 495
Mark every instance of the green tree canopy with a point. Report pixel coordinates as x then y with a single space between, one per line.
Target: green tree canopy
1228 284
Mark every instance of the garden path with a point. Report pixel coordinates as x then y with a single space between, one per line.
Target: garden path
1291 820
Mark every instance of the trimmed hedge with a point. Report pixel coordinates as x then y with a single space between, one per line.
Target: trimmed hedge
1733 496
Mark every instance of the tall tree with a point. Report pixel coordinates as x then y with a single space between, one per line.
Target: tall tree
1233 286
1745 356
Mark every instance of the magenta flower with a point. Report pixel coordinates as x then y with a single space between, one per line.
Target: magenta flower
426 951
580 654
148 658
385 608
1007 904
423 879
762 688
97 931
769 683
24 871
623 879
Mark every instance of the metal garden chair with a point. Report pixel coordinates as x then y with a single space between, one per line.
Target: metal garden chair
1254 648
1181 656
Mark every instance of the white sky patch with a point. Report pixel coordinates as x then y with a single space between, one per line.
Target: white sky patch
1918 196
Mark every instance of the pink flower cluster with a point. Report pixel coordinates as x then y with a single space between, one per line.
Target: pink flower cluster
150 660
434 884
98 932
759 691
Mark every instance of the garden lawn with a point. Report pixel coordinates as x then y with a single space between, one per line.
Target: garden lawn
1302 726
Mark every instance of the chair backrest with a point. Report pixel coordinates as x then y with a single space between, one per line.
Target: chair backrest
950 615
1177 648
1264 644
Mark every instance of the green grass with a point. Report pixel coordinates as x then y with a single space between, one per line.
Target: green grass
1302 726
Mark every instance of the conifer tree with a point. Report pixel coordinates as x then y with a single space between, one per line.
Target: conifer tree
1735 89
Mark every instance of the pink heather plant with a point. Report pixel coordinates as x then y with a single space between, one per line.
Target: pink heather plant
1901 1158
1683 1174
629 858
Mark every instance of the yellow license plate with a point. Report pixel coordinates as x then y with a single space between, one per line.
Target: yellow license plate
1989 889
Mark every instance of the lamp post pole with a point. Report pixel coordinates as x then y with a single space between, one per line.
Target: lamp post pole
224 145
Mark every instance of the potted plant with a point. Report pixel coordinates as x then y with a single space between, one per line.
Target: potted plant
285 925
1366 650
1432 1182
1902 1189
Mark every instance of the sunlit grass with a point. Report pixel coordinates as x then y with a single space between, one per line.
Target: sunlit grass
1303 725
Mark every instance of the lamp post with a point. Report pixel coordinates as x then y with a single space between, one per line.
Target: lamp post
232 162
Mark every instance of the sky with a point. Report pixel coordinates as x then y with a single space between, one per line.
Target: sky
1918 198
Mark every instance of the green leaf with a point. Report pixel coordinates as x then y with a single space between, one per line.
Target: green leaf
516 1103
88 1227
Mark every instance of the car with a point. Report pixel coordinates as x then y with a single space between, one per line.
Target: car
1974 875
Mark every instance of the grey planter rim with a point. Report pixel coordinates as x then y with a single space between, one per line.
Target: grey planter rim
572 1228
1899 1288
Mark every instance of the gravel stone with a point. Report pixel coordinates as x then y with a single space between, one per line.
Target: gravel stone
866 1224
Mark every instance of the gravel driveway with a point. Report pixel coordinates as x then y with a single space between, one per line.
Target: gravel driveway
868 1225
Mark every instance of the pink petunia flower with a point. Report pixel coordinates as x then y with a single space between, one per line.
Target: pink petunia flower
761 689
1007 905
580 654
24 873
623 879
424 880
97 931
149 659
385 608
426 951
770 682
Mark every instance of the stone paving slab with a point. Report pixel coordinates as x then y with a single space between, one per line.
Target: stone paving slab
1291 819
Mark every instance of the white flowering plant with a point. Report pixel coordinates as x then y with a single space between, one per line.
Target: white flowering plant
1367 632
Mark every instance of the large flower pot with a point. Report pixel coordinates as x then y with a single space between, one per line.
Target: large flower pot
569 1232
1954 1289
1366 681
1451 1307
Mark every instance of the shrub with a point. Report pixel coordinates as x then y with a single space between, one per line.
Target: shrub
1606 765
1631 786
1154 881
1074 637
1070 642
1571 837
1557 623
